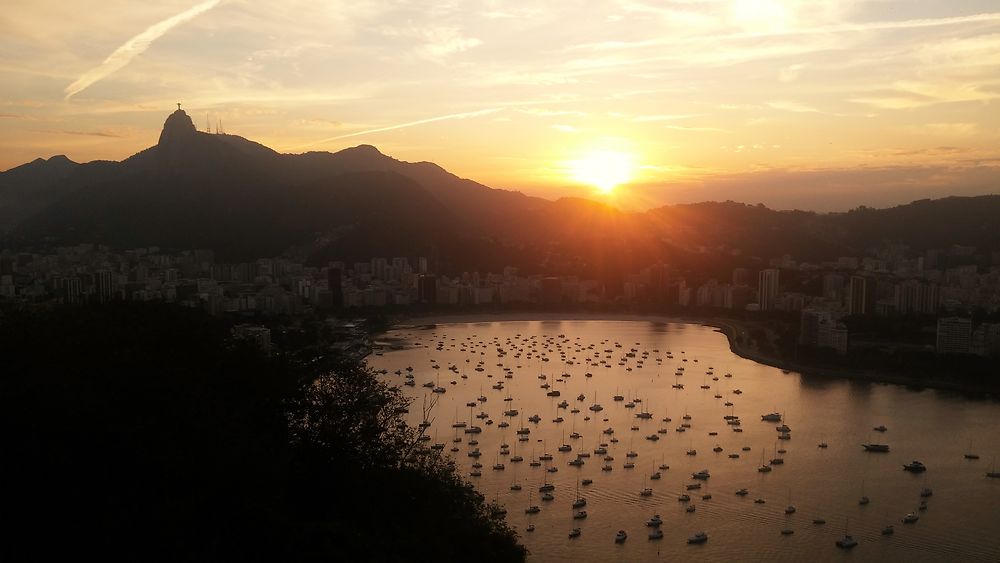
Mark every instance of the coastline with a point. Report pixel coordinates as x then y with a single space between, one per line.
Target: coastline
736 332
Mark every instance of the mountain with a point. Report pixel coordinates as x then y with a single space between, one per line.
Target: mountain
244 200
30 187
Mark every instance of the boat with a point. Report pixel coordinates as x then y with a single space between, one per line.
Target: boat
880 428
700 537
847 542
914 467
969 453
703 475
580 515
655 521
621 536
530 528
742 492
910 518
656 534
771 417
574 533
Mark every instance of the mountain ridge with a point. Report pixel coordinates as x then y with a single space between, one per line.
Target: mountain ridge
246 200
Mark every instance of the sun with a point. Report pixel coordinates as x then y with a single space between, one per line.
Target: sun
603 169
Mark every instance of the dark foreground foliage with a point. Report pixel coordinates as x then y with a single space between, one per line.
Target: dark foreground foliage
143 433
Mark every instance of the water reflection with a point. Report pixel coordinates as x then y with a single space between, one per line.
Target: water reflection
621 357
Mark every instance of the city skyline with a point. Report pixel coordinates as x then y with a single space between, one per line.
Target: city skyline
796 105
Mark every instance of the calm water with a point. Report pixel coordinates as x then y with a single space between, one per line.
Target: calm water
961 521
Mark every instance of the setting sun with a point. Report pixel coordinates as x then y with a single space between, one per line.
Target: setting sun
603 169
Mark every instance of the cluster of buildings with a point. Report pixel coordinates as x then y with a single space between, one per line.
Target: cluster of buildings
891 283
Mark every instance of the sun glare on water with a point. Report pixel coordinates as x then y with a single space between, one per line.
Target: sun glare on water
603 169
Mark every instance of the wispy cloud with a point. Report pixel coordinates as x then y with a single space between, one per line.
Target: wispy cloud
135 47
645 118
93 133
464 115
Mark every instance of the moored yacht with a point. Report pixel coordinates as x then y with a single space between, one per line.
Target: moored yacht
700 537
847 542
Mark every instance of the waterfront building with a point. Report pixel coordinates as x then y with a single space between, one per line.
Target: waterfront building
767 288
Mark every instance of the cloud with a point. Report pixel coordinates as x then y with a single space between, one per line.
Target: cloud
465 115
135 47
795 107
93 133
685 128
565 128
436 42
645 118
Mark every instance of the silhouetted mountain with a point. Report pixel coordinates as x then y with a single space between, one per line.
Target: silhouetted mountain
30 187
244 200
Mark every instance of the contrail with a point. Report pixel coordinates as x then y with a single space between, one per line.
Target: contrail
403 125
135 46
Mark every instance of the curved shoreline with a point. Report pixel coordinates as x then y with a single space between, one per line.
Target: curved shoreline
729 327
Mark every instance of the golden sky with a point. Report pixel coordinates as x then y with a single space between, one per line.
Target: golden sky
794 103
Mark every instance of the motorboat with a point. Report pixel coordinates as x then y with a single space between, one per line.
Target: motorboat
700 537
656 534
847 542
910 518
574 533
771 417
914 467
655 521
878 448
621 536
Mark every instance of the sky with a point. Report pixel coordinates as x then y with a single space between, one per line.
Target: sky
808 104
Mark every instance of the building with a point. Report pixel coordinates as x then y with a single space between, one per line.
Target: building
741 276
913 297
427 289
767 288
335 284
833 335
810 325
954 335
861 296
551 291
